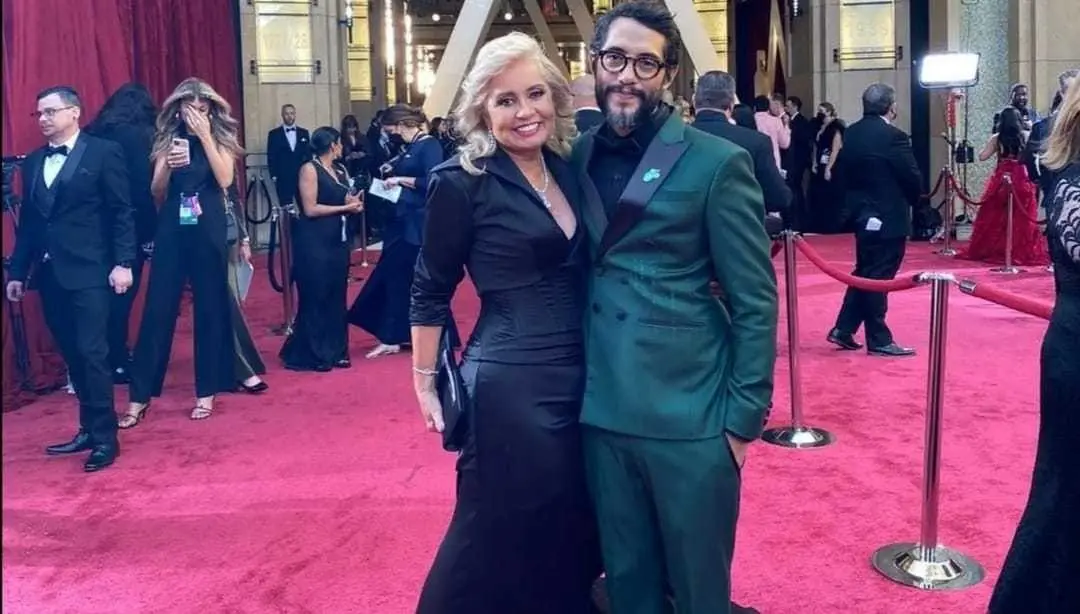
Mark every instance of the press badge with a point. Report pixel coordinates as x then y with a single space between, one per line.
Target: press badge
189 209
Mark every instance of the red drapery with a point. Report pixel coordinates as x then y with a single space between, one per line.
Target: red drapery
96 46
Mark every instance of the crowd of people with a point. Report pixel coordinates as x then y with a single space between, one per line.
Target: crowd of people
610 396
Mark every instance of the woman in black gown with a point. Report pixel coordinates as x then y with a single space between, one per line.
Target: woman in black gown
320 336
826 214
194 155
522 539
382 308
247 361
1041 574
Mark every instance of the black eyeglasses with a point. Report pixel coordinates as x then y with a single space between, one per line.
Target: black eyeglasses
645 66
50 113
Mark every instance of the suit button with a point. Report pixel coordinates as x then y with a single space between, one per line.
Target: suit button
620 316
595 308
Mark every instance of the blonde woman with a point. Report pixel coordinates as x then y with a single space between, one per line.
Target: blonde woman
194 156
522 538
1040 572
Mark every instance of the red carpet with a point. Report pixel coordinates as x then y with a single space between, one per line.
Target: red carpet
326 495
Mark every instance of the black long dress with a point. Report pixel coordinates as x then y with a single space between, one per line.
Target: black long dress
194 253
382 307
320 337
825 213
1042 570
522 539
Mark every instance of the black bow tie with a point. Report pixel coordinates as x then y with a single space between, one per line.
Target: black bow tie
52 151
290 130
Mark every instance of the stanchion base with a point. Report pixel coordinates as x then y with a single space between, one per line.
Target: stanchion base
1006 270
948 251
798 437
949 569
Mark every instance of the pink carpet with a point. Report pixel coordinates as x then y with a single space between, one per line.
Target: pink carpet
326 495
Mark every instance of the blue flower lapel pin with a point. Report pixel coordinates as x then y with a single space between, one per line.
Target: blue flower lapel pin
651 175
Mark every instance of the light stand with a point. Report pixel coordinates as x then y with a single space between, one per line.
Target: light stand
954 72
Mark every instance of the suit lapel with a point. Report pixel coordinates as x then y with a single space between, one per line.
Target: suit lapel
663 153
70 165
596 220
34 180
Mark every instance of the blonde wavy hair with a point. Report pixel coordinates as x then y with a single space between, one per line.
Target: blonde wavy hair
471 111
1064 145
223 126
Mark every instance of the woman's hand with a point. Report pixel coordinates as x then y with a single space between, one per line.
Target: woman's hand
197 123
354 203
391 181
245 251
431 409
178 157
828 174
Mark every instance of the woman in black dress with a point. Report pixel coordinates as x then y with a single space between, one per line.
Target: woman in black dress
1042 569
320 336
194 155
826 206
382 308
247 361
522 539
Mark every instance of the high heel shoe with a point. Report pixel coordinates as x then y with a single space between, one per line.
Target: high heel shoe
132 418
259 388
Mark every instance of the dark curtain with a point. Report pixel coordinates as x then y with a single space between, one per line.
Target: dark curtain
95 46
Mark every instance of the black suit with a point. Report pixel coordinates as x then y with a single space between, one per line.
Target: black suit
776 192
798 159
1036 146
136 142
586 119
880 179
285 162
76 230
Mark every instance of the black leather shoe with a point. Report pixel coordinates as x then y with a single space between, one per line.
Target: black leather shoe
842 340
80 443
742 609
101 457
891 350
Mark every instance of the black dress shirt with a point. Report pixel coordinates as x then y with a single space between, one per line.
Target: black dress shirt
615 157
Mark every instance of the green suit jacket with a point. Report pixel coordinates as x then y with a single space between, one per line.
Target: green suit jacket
666 358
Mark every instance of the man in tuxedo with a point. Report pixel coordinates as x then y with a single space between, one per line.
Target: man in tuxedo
287 148
881 184
798 157
714 100
77 235
586 113
678 382
1040 134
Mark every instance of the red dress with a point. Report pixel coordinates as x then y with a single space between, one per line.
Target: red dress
988 236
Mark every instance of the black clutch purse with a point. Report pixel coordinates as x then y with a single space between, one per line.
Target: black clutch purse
451 390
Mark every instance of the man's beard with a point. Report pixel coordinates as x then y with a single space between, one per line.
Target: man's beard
622 120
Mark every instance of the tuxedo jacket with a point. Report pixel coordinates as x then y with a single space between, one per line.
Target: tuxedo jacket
284 162
665 359
879 177
84 222
773 187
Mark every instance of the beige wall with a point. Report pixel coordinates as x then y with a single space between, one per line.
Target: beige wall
1043 42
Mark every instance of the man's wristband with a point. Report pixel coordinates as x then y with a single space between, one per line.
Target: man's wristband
124 264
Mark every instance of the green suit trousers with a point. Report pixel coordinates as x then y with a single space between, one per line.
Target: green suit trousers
667 511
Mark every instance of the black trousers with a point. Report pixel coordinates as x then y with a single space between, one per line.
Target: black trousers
120 315
875 258
78 321
177 260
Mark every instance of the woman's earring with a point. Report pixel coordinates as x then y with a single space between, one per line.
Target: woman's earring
491 139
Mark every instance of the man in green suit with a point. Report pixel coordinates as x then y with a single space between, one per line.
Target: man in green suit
678 381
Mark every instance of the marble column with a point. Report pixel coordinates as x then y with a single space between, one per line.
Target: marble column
982 29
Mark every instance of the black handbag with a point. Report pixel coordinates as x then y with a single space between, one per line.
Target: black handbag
451 391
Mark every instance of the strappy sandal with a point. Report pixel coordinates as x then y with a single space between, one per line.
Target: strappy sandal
132 418
383 349
201 412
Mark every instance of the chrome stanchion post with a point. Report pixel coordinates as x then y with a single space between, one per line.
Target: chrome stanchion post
363 238
949 215
797 434
285 249
927 564
1008 269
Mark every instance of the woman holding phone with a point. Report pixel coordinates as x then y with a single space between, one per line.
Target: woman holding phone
194 157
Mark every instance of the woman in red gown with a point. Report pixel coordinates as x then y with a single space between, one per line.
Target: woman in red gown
988 237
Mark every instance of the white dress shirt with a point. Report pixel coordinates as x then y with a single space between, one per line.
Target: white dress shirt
290 135
51 168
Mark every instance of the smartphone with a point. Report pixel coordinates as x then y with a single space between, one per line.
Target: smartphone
184 145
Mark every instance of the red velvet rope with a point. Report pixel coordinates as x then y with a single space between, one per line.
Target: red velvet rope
859 283
1015 302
